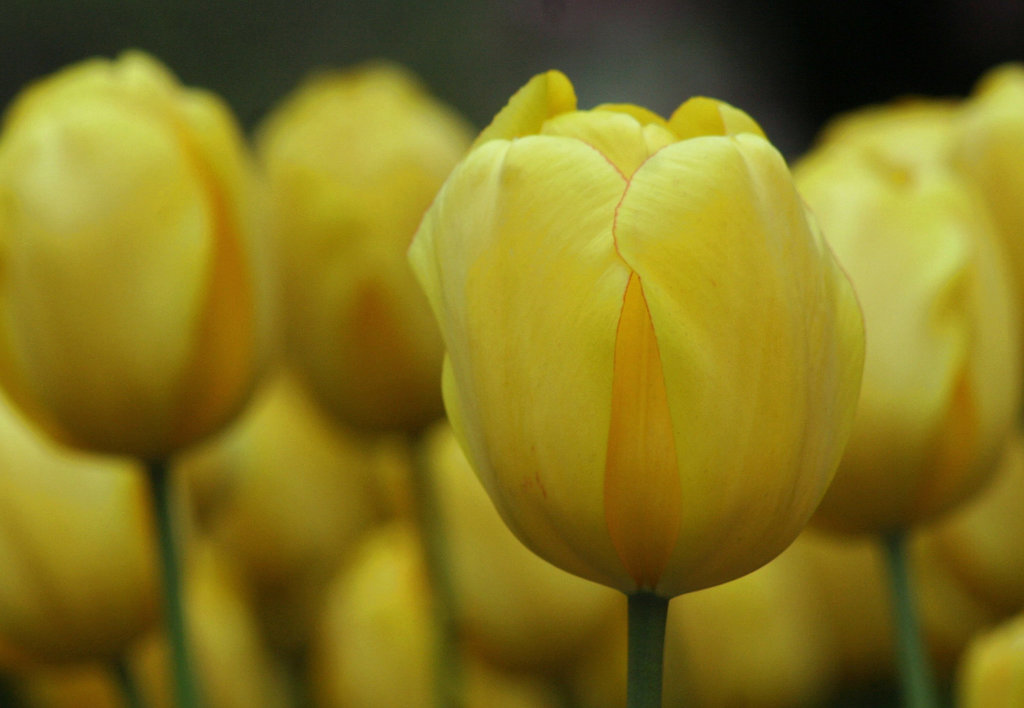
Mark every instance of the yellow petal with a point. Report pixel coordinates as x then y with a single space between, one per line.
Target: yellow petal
708 116
644 115
642 493
760 338
528 306
543 96
617 136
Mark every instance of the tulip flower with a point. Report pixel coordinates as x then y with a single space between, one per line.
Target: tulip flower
990 149
942 378
131 304
992 672
78 582
652 357
353 160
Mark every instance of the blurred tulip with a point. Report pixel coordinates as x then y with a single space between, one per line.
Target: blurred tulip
753 642
942 378
353 160
990 150
131 301
77 575
652 357
992 672
980 543
375 644
514 608
288 494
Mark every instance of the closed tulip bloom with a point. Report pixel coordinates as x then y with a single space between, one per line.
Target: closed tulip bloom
990 151
652 357
353 159
941 377
130 297
992 672
78 581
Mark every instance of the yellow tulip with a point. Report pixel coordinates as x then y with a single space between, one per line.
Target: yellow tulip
291 495
942 372
990 150
375 644
991 674
353 160
980 543
652 357
78 580
130 298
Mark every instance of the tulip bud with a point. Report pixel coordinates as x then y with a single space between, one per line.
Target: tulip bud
294 494
652 358
353 160
375 644
990 151
942 372
991 674
78 579
130 298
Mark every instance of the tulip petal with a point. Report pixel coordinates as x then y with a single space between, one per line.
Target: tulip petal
543 96
517 259
707 116
642 493
760 405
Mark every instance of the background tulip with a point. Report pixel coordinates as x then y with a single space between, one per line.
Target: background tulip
652 356
78 580
131 302
942 372
353 159
992 672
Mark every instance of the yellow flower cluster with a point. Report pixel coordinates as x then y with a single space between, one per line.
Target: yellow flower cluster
420 390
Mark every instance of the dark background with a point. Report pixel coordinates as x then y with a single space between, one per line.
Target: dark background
790 64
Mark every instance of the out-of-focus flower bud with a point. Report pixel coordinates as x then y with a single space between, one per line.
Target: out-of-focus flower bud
942 375
291 492
653 359
991 674
78 578
754 642
353 160
990 150
133 306
375 645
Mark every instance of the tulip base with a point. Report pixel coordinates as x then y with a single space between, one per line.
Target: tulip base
916 677
648 614
185 689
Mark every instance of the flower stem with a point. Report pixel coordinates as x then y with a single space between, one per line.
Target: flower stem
448 679
185 688
647 616
918 683
129 687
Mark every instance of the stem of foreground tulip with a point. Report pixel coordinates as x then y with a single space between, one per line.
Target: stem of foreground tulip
647 616
128 685
185 689
917 679
448 680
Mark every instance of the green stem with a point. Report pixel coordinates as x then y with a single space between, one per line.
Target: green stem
647 616
448 677
129 687
918 683
185 689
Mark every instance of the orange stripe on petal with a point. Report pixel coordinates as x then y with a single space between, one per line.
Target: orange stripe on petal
642 489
